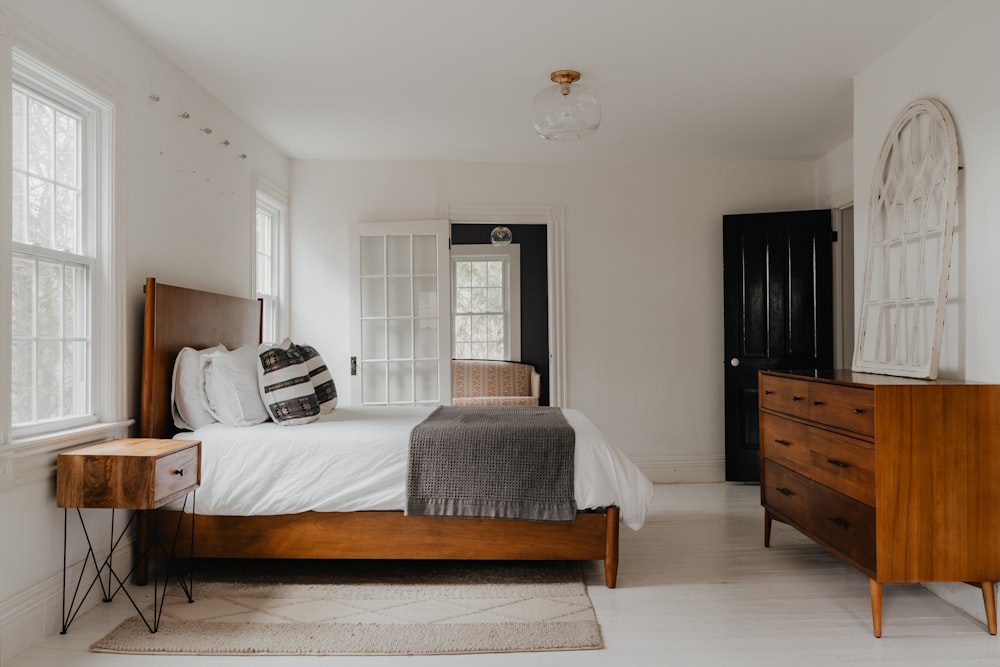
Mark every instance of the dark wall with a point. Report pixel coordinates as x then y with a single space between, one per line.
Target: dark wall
533 242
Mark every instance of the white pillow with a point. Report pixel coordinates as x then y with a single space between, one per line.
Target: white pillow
285 384
231 387
322 381
189 404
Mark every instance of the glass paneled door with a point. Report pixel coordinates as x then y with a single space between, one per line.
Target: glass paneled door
401 312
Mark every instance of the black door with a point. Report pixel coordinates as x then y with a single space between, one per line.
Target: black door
778 314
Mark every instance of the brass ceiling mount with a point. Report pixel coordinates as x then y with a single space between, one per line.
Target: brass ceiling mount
565 77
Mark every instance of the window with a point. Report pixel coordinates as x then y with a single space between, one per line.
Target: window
269 264
486 302
61 251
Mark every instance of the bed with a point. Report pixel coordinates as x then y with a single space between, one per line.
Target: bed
176 317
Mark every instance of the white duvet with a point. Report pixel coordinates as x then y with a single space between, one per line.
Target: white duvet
355 459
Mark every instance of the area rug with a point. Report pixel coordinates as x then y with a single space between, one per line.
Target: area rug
369 608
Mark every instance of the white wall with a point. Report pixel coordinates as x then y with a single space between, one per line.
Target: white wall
187 217
643 277
954 59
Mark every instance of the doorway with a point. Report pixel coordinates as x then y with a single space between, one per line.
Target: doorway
777 314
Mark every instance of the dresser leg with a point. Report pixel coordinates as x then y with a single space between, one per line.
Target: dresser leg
875 589
990 602
767 528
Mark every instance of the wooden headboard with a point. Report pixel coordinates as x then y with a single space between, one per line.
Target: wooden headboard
174 318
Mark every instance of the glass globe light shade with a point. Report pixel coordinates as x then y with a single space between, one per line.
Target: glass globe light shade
565 112
501 236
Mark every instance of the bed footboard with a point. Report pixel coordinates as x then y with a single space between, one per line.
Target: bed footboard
391 535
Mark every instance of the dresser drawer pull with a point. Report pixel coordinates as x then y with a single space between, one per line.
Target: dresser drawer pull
783 443
840 523
839 464
859 411
817 402
783 491
796 398
179 472
768 392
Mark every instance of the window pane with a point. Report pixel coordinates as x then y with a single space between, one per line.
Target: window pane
494 300
49 379
425 255
425 338
463 274
400 339
66 220
495 274
40 138
75 374
76 301
478 300
39 213
20 129
22 382
49 317
66 149
478 278
23 296
398 254
19 207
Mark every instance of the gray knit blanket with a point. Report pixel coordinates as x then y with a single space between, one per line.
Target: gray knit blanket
497 462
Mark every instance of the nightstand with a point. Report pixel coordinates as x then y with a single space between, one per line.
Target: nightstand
138 474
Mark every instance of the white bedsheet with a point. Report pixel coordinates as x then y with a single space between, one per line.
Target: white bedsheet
355 459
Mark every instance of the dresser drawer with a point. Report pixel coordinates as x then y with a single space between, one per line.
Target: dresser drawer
175 475
787 493
849 408
785 441
784 395
844 464
843 524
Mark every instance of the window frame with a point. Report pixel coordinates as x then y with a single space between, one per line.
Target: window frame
275 317
511 257
65 80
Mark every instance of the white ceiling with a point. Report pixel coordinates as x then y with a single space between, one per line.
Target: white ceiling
454 79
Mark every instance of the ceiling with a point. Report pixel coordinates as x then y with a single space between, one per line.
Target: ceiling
454 79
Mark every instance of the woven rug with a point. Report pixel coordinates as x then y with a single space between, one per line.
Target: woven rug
369 608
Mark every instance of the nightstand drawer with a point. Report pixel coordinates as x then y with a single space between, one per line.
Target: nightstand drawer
176 474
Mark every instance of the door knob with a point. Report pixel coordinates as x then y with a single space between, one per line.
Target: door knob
734 362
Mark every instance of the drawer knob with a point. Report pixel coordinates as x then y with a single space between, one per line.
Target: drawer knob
859 411
817 402
839 464
783 443
179 472
837 521
768 392
796 398
783 491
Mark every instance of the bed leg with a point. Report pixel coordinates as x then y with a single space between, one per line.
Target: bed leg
611 549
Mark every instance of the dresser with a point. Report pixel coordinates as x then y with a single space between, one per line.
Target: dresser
896 476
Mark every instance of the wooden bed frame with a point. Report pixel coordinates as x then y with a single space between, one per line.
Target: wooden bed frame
176 317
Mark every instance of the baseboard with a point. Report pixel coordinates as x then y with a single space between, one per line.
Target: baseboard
677 469
34 613
968 599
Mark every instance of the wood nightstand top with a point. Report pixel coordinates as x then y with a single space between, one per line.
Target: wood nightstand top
133 473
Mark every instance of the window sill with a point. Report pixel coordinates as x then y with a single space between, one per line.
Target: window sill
33 458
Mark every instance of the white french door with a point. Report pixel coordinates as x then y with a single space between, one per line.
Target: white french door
401 312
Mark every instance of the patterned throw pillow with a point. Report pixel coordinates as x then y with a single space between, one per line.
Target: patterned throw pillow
322 381
285 385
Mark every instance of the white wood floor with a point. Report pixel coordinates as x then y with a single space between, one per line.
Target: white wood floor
696 587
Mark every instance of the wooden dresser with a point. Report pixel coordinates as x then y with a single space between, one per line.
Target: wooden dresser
898 477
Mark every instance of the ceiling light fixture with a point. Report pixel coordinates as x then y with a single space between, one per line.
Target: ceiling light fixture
567 110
